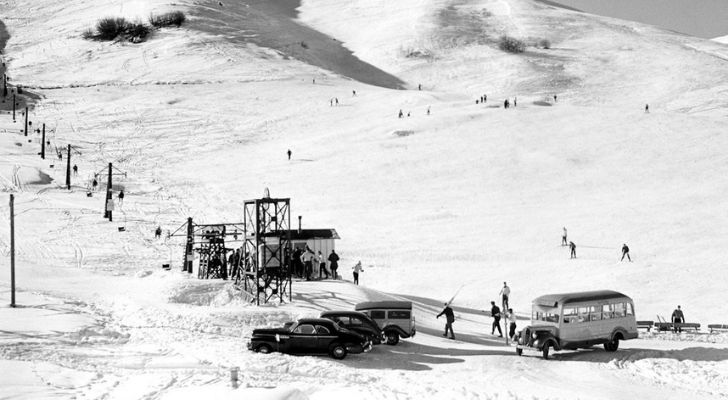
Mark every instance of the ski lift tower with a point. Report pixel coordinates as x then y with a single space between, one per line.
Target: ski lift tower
267 249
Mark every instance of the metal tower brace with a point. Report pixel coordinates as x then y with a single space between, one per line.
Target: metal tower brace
267 247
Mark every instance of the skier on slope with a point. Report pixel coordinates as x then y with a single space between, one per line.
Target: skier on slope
625 252
357 269
449 319
572 247
563 238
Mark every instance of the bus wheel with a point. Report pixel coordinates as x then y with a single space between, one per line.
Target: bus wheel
612 346
546 351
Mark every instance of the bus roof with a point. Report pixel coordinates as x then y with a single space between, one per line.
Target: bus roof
553 300
388 304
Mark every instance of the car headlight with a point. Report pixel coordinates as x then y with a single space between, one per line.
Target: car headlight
534 335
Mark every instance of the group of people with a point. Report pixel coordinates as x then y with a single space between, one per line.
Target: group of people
495 312
572 247
307 263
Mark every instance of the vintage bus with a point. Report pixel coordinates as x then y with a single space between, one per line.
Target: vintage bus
570 321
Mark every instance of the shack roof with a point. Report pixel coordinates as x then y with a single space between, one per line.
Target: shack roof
306 234
553 300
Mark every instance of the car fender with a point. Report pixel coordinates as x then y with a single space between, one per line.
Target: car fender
396 328
545 339
618 331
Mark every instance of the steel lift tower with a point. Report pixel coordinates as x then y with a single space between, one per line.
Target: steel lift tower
267 250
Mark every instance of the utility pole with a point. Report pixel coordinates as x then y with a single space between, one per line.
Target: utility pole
68 168
5 85
108 207
188 249
13 107
26 121
12 250
42 144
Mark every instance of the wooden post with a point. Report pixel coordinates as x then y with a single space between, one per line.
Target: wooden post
26 121
42 144
13 107
12 250
68 168
107 212
5 85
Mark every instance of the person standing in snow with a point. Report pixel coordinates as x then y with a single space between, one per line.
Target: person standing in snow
677 318
515 99
158 232
563 238
505 292
307 258
322 265
121 197
94 184
647 108
334 263
75 170
357 268
449 319
297 264
495 313
572 246
506 104
511 317
401 114
625 252
289 154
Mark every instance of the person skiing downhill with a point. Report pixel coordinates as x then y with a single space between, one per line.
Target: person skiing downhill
625 252
449 319
572 246
495 313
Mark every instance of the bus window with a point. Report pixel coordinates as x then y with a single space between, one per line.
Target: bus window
570 316
546 316
607 312
583 314
619 310
595 315
630 311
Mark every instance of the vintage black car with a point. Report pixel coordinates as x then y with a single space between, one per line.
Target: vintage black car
309 336
357 322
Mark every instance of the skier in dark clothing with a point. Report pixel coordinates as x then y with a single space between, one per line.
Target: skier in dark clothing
506 103
401 114
625 252
449 319
94 184
495 313
158 232
297 265
333 263
75 169
677 318
572 246
121 197
289 153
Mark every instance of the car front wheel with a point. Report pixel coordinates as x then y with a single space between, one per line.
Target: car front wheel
392 338
338 351
264 348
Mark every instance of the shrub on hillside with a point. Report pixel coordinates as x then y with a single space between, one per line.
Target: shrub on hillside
113 28
174 18
110 28
511 45
544 44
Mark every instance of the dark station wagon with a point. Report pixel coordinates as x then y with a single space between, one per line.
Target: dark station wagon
357 322
309 336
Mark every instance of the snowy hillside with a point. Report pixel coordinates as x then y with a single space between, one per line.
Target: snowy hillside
200 119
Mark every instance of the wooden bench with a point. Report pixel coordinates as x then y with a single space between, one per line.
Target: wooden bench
669 326
718 327
645 325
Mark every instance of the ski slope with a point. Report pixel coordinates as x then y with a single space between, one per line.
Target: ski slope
469 195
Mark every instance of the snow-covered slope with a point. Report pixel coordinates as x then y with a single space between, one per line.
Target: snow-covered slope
722 39
469 194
